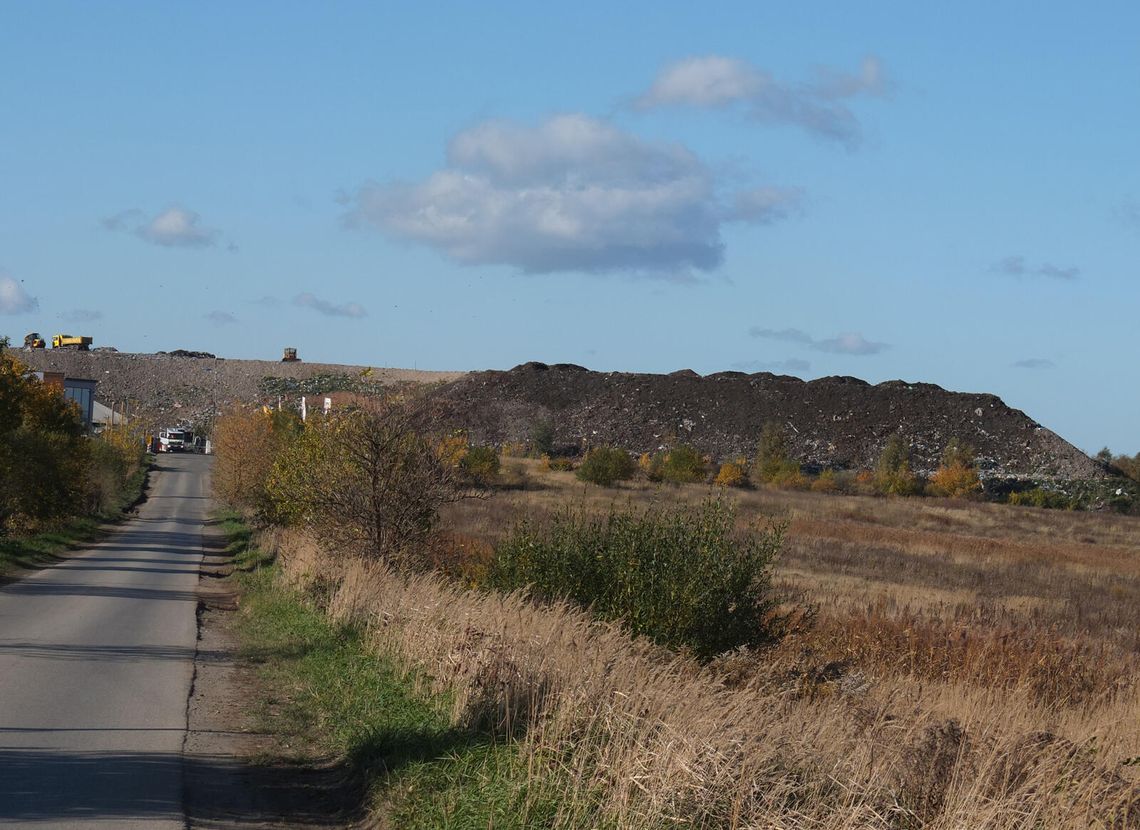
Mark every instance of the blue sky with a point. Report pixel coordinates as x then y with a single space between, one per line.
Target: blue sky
948 195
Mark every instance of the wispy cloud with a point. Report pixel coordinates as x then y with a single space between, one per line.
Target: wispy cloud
573 193
817 106
1035 363
81 315
1127 213
1016 266
327 308
792 364
268 301
765 205
14 299
175 227
221 318
851 343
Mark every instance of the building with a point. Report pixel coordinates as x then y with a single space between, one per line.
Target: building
79 390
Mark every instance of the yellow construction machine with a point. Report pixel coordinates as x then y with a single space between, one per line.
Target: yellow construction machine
34 341
67 341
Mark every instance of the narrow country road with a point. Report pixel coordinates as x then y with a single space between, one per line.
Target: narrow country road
96 664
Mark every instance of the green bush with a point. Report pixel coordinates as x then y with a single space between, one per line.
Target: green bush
683 465
1039 497
480 465
684 578
606 465
542 439
893 476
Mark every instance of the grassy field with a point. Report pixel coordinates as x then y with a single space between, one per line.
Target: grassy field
959 665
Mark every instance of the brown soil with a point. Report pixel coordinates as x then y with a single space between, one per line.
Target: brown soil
237 776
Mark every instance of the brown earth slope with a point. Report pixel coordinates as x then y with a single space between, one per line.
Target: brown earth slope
835 421
163 388
831 422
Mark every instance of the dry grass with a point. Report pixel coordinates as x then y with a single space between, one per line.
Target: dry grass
639 739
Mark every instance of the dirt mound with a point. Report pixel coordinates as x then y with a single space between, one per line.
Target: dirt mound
839 422
166 388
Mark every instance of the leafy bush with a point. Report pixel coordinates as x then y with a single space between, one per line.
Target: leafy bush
957 477
480 465
685 578
826 482
893 476
606 465
366 481
1039 497
773 464
246 445
683 465
731 474
542 438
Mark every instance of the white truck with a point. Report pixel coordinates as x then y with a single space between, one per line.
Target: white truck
175 440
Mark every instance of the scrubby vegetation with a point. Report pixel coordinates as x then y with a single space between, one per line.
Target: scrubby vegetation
56 482
605 466
684 578
934 663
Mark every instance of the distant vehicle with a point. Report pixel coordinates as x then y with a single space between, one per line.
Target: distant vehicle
34 341
290 355
175 440
68 341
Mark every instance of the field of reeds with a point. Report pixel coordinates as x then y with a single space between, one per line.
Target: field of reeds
955 665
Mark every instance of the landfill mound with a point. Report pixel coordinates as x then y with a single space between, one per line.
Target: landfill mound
189 385
836 422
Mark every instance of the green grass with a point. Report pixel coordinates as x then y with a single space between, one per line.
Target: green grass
329 694
39 549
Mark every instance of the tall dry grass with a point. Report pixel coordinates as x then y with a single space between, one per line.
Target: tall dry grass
639 738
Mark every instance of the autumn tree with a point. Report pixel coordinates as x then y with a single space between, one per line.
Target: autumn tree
366 481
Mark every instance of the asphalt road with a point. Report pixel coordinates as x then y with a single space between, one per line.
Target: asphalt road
96 665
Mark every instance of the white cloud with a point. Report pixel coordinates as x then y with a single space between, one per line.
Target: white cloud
81 315
1035 363
175 227
571 194
851 343
792 364
14 299
706 81
765 205
1015 266
327 308
715 81
221 318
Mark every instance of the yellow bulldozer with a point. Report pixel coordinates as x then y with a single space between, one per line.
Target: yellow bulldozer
68 341
34 341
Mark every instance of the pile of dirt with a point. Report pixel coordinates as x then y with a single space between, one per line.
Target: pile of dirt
169 388
838 422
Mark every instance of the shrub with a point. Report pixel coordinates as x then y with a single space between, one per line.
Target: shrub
683 465
1039 497
542 438
606 465
827 482
365 480
773 465
731 474
957 477
559 464
246 445
652 466
685 579
893 476
480 465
